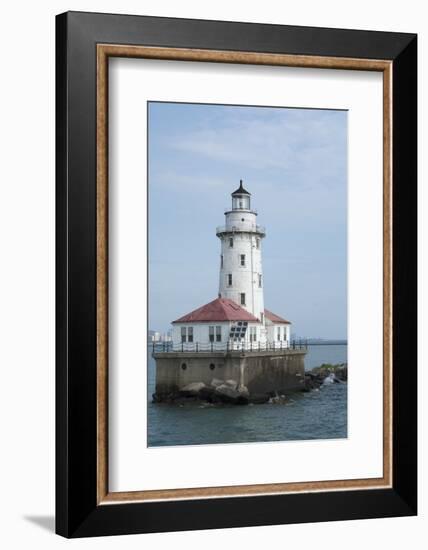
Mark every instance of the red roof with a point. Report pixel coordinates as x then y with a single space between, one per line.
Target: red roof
221 309
275 318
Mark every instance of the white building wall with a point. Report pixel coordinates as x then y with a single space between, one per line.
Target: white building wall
200 332
272 334
201 336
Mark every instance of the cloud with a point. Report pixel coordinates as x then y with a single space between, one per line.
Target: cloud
267 139
168 177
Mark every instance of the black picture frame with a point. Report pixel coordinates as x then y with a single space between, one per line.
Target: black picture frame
77 511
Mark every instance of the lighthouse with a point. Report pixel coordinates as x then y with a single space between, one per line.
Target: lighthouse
241 273
237 318
232 338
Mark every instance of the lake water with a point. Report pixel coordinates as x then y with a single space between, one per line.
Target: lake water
320 414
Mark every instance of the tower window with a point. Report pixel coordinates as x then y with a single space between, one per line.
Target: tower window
221 261
257 243
229 279
242 296
241 204
231 242
242 258
260 280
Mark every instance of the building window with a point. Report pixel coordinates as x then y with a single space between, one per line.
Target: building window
242 259
262 317
230 242
214 331
229 279
279 333
187 334
221 261
238 330
242 296
257 243
260 280
253 334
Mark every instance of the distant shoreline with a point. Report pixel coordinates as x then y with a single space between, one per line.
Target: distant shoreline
321 342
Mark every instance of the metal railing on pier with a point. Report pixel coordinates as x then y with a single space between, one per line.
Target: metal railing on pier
197 347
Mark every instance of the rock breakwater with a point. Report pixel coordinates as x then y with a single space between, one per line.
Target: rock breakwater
230 393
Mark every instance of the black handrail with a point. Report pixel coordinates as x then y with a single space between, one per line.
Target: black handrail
198 347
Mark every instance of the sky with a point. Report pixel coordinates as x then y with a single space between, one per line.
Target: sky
294 164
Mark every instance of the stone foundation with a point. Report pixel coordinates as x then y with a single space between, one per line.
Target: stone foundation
259 372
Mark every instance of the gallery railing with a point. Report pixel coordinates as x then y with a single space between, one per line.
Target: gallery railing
197 347
243 227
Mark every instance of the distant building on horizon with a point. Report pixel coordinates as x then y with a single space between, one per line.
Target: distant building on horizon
153 336
157 336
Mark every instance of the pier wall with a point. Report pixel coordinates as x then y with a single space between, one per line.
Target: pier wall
260 372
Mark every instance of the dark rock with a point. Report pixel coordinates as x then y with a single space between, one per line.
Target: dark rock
164 397
318 375
342 373
155 398
228 395
312 381
258 398
207 394
278 400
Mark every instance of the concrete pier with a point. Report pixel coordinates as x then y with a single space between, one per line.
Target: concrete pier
260 372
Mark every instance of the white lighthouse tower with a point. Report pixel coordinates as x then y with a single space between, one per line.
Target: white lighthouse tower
241 273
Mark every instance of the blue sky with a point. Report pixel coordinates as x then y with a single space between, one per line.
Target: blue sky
294 163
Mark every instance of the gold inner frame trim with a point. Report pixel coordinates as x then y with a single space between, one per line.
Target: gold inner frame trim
104 51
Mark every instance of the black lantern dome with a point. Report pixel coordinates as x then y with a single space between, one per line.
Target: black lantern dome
240 190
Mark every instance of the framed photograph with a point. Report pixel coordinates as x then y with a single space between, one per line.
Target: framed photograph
236 274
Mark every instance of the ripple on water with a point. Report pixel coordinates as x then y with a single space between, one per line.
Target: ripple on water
314 415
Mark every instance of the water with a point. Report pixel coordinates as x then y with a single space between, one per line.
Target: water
319 414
